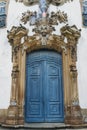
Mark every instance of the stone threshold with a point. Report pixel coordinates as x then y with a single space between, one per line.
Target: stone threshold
45 126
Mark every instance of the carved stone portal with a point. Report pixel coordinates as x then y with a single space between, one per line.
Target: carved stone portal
44 39
15 115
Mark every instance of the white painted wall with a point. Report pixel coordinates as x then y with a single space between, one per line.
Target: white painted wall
14 13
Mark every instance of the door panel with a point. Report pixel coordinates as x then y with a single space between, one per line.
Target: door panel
34 103
44 90
54 97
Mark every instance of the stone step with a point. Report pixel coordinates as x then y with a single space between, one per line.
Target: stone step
2 128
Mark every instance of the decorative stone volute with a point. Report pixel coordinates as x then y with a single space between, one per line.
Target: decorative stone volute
72 33
15 34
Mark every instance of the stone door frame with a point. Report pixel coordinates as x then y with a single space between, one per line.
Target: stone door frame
15 114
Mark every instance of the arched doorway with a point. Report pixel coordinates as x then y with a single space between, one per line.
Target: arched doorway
44 87
47 61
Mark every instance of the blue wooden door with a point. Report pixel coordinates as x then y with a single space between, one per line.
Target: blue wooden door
44 87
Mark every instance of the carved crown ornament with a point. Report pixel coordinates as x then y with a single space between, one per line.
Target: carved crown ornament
44 24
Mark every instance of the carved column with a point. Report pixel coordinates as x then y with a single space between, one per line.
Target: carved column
67 87
75 110
12 115
21 92
15 110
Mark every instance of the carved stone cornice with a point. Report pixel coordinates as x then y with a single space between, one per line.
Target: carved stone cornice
72 34
53 41
15 34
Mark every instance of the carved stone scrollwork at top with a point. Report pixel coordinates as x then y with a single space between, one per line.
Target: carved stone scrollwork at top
27 15
58 16
54 2
54 19
72 33
15 34
52 42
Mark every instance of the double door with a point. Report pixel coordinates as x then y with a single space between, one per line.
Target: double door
44 88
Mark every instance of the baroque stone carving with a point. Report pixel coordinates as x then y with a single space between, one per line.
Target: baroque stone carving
44 38
72 33
27 16
43 21
16 33
54 2
59 16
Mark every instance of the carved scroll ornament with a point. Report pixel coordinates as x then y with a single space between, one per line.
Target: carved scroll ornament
72 33
54 2
16 33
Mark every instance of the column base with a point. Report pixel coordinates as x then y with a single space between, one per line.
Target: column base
12 116
21 121
20 115
68 115
74 116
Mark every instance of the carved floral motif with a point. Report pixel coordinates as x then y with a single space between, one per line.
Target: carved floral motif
54 2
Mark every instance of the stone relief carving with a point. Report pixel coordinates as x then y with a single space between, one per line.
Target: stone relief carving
54 19
54 2
15 34
59 16
43 37
26 16
72 33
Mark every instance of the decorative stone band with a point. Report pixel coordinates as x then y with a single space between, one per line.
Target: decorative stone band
54 2
3 12
84 12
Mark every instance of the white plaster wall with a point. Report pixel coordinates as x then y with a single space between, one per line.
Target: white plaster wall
14 13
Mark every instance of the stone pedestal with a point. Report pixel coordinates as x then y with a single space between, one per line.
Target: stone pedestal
20 115
12 116
76 116
73 115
